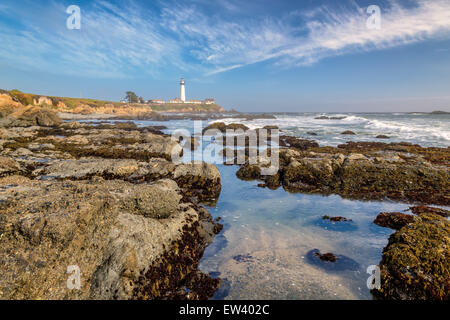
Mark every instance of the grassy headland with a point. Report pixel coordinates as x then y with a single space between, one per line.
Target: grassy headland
95 106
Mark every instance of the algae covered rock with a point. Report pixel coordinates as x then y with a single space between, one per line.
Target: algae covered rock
393 220
364 171
425 209
222 127
112 231
302 144
416 262
199 179
8 166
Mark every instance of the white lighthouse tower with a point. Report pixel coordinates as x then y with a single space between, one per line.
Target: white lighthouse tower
182 91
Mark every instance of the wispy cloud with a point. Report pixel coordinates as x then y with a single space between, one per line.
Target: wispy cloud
326 32
133 39
113 42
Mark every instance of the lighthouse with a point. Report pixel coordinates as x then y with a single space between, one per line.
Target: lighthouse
182 91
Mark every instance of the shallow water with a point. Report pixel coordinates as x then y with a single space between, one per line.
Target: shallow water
262 253
265 250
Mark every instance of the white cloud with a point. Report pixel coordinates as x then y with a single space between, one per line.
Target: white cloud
112 42
122 41
228 45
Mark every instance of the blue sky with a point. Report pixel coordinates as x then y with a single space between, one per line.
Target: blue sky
263 55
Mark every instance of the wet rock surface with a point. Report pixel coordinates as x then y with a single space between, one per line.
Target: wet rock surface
425 209
393 220
416 262
222 127
330 261
336 219
109 200
372 170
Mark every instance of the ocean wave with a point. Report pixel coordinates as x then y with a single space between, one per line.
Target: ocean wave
400 127
413 130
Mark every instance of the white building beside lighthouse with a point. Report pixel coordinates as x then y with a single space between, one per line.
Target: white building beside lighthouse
182 91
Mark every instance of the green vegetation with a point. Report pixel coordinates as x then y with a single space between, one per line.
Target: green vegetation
23 98
131 97
72 103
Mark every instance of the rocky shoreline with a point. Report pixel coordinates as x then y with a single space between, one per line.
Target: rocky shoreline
415 264
360 170
106 199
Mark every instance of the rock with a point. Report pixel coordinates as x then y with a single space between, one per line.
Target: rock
326 256
393 220
31 116
84 169
113 231
308 174
199 179
8 105
301 144
243 258
8 166
336 219
158 200
109 200
40 117
37 146
312 133
355 157
330 261
41 101
329 118
271 128
418 210
366 171
439 112
72 125
382 136
222 127
348 132
249 172
416 262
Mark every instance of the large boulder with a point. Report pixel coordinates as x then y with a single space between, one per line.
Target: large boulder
32 116
113 232
7 104
198 179
393 220
416 262
366 174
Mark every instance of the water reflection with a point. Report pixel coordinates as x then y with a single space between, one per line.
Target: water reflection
264 251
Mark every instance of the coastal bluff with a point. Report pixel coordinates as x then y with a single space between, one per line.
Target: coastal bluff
69 108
